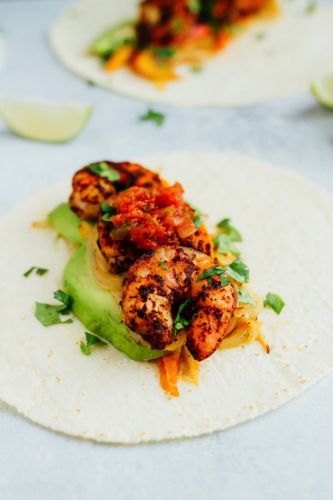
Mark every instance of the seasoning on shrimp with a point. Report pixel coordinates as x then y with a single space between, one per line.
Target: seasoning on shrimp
92 186
151 292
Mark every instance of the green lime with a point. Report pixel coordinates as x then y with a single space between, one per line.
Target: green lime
45 121
322 89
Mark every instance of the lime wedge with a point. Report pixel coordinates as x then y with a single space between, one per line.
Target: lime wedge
322 89
44 121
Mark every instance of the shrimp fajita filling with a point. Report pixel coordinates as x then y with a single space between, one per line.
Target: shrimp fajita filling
148 277
167 34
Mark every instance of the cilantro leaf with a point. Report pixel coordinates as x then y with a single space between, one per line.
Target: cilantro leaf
224 244
153 116
226 228
90 341
224 281
311 7
238 271
180 321
196 69
49 314
260 35
274 301
29 271
197 221
212 271
163 265
40 271
107 211
234 29
103 170
164 52
244 296
66 299
194 6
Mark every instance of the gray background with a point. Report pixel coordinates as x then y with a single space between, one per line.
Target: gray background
286 454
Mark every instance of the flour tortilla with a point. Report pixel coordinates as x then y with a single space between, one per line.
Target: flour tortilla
296 48
286 224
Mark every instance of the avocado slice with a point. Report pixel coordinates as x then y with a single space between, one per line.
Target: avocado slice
66 223
98 311
111 40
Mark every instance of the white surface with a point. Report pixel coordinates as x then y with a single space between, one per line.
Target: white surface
286 454
298 44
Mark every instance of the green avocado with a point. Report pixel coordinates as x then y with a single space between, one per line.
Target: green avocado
98 311
114 38
66 223
93 306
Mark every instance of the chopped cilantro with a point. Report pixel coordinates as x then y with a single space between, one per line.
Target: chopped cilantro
49 314
274 301
40 271
244 296
238 271
153 116
226 228
260 35
196 69
194 6
234 29
163 265
224 281
164 52
197 210
90 341
197 220
103 170
180 321
212 271
66 299
177 25
311 7
107 211
224 244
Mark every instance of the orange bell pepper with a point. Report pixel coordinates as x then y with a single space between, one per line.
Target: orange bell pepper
169 367
145 64
119 59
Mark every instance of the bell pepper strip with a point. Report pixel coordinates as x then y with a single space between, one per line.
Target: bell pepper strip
119 59
169 368
145 64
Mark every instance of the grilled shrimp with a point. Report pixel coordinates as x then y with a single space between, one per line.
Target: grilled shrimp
90 189
158 281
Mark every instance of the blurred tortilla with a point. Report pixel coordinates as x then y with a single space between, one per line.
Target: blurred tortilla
286 224
272 58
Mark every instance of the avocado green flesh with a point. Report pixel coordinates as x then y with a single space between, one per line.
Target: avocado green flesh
114 38
98 311
66 223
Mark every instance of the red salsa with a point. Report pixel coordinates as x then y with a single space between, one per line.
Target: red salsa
152 217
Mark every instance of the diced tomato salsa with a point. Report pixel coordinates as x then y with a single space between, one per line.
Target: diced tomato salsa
153 217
